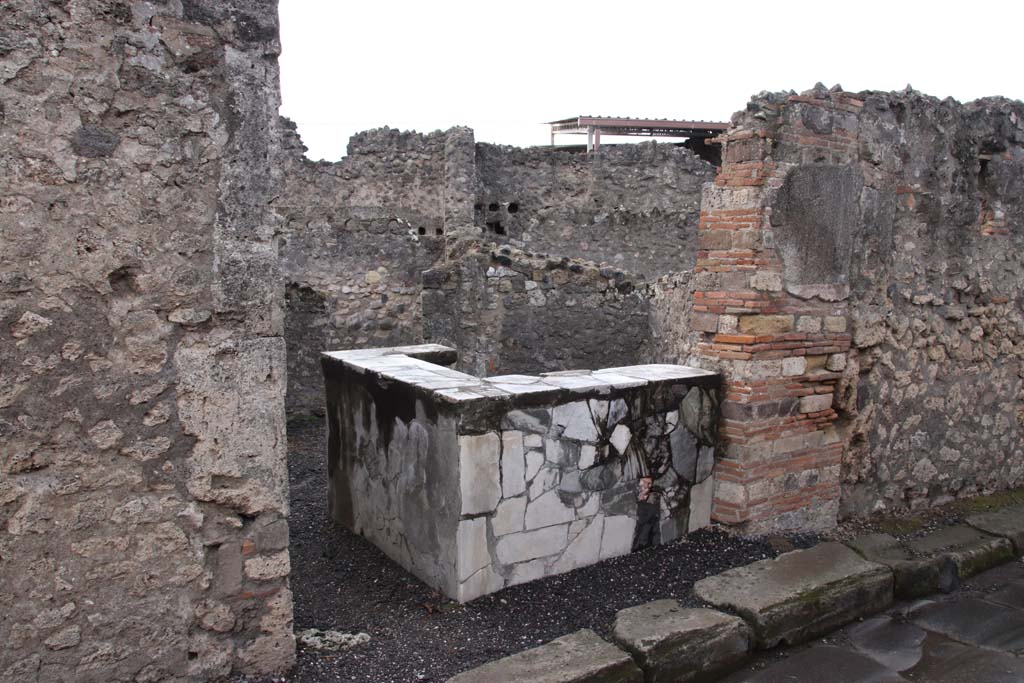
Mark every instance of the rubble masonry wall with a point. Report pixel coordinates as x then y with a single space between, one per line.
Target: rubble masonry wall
143 492
359 233
859 284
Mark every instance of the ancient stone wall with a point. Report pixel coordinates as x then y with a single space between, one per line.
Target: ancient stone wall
634 207
357 235
143 500
511 312
858 283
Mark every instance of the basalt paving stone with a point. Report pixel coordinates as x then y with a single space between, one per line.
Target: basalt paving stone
1010 596
821 664
973 551
892 644
974 621
914 576
1008 523
947 661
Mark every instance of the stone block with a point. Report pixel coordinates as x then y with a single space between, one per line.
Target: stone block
792 367
704 322
529 545
815 403
508 518
912 577
701 499
835 324
801 594
809 324
576 420
836 362
471 545
479 478
513 464
546 510
766 324
766 281
676 645
580 657
971 550
617 538
620 438
1007 523
584 549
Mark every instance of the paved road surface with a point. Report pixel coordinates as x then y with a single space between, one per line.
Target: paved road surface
973 635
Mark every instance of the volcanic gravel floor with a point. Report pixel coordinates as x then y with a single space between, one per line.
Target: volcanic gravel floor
341 582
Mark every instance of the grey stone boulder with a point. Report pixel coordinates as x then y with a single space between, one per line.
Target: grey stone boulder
1007 523
580 657
972 550
677 645
801 594
913 577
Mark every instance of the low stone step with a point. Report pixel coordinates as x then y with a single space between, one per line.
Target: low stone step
914 577
801 594
972 550
1007 523
676 645
580 657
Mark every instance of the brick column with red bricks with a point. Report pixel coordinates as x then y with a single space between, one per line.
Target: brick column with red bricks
781 355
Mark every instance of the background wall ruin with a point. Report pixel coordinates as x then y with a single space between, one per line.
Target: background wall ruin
142 475
633 207
359 233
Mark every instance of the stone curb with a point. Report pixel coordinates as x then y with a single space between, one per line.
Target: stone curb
801 594
661 642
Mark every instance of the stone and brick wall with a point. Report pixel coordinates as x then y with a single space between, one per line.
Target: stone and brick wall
143 492
843 248
633 207
474 485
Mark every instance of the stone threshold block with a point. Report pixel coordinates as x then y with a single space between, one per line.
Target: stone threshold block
476 484
913 577
1007 523
580 657
676 645
802 594
972 551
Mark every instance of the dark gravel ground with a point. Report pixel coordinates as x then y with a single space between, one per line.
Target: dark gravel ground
342 582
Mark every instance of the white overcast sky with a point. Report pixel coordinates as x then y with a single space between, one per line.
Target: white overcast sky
504 68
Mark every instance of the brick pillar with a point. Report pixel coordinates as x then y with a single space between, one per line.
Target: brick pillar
781 355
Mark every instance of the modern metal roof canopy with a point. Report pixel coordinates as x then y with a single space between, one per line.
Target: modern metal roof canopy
593 126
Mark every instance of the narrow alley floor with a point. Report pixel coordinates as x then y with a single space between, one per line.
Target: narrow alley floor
973 635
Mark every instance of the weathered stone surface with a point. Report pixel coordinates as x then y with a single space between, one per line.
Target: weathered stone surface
971 550
800 594
330 641
913 576
581 657
821 663
974 621
1008 523
479 473
672 644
